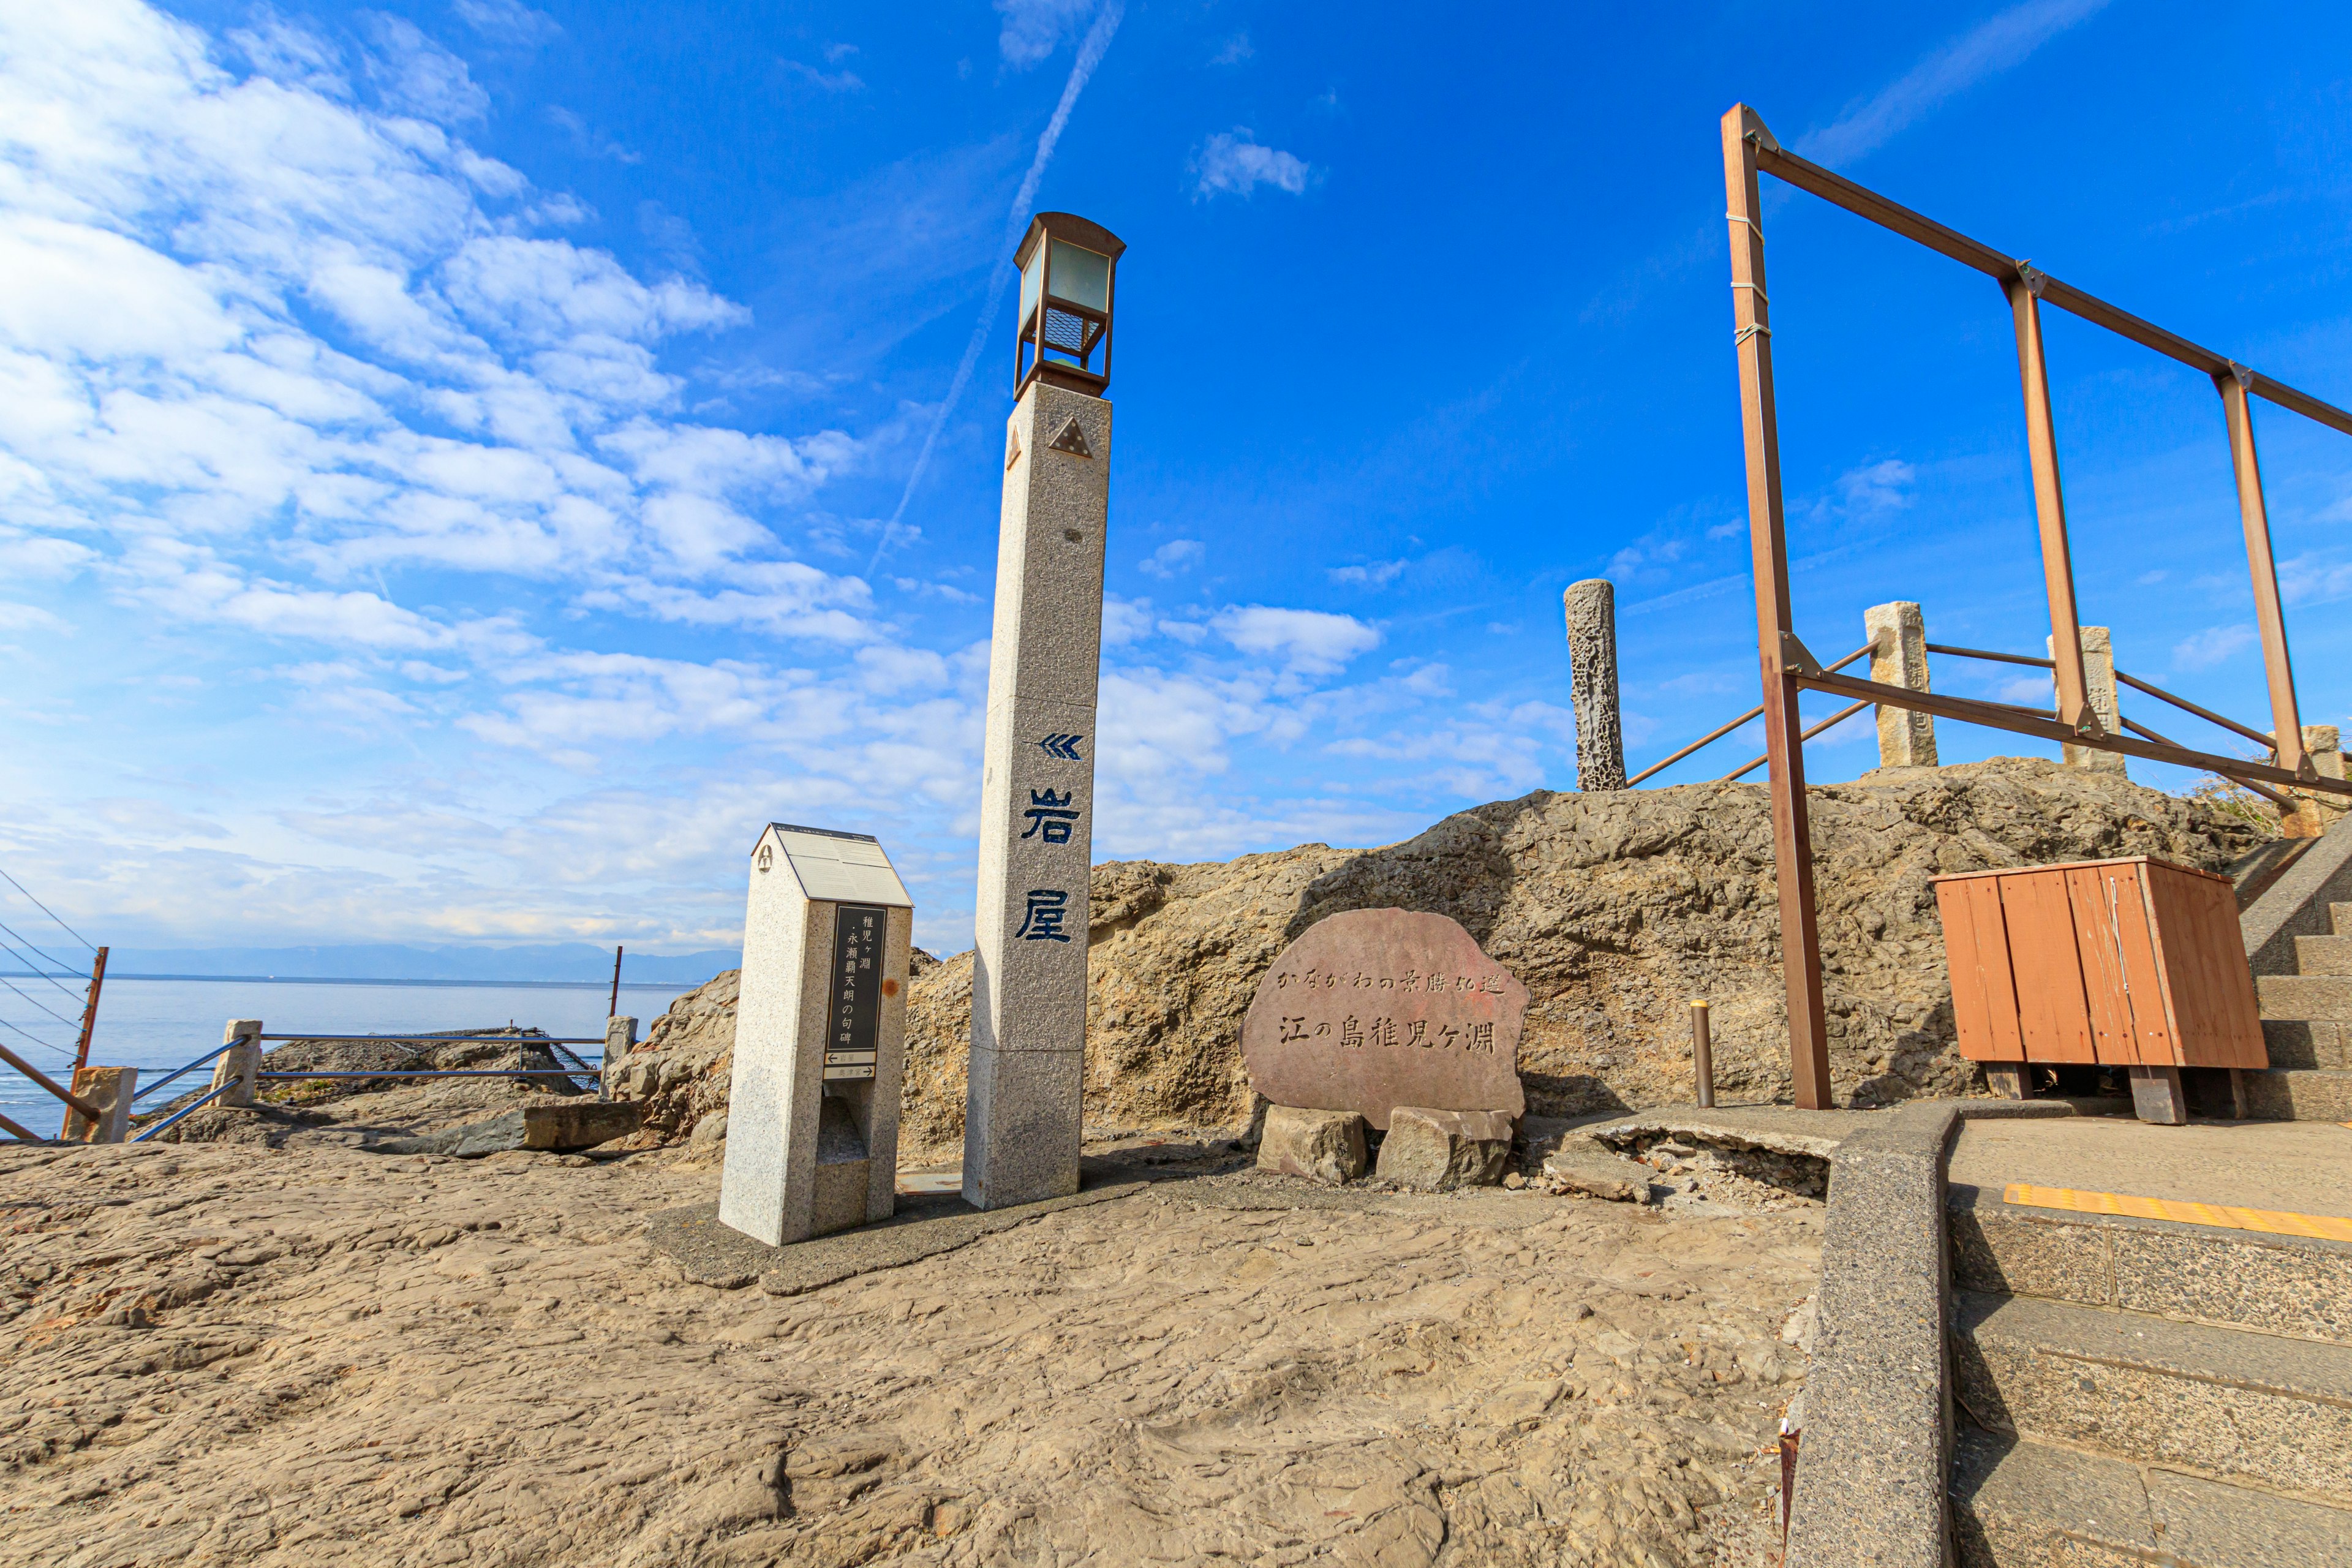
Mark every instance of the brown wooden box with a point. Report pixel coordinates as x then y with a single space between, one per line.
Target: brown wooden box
2135 962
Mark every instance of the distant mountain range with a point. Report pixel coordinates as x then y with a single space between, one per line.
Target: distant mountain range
566 961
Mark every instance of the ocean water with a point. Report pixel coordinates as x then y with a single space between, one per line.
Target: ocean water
156 1026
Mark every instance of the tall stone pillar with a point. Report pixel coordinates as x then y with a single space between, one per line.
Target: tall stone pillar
1591 611
1022 1111
2099 686
1898 657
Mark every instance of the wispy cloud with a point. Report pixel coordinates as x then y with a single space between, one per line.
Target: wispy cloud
1233 51
1987 50
1176 555
2213 646
1081 71
1034 29
1234 162
830 81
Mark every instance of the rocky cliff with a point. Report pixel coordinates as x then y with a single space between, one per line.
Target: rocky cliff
1614 908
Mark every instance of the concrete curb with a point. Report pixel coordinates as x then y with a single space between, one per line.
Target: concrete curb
1873 1468
2296 904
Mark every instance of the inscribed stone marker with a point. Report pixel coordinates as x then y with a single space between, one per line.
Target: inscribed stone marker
820 1032
1376 1008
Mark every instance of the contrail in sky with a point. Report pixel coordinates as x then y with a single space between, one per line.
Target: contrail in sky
1090 54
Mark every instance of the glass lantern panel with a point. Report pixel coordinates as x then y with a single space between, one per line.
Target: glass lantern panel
1080 276
1033 277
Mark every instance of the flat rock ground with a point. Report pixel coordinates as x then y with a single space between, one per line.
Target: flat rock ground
218 1353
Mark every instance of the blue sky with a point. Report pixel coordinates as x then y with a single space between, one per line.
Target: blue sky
449 452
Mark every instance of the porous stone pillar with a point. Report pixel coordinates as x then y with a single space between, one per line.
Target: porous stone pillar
2314 813
2099 686
1590 608
620 1039
110 1091
238 1068
1022 1111
1898 657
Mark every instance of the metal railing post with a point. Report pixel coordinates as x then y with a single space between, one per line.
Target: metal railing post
2049 502
2277 666
1702 1056
90 1011
1780 654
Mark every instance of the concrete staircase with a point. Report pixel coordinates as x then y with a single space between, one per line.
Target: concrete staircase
2139 1392
2308 1025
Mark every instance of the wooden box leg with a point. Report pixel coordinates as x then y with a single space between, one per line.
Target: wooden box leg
2007 1080
2157 1095
2238 1106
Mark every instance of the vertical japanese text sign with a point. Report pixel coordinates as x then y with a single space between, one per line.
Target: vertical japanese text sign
1036 836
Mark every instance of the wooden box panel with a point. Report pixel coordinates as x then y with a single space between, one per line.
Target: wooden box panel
2124 962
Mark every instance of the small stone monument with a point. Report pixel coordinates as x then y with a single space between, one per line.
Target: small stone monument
1591 610
820 1037
1374 1009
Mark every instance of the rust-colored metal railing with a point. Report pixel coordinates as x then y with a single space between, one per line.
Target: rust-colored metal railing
1750 151
1718 733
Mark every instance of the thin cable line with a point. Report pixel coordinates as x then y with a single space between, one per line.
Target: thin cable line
36 1039
36 1001
50 913
35 968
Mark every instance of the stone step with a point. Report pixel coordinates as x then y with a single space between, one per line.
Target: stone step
2229 1405
2323 954
2297 1095
2293 1042
2339 918
2326 997
2292 1286
2016 1504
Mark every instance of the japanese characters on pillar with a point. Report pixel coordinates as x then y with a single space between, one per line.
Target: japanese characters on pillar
1022 1121
856 994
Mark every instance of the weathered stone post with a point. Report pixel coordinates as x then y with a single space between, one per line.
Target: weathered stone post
110 1090
620 1039
2315 813
1898 657
240 1067
1590 608
2099 687
1023 1111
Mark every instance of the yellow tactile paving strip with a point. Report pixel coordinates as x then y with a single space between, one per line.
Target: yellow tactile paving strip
2326 1227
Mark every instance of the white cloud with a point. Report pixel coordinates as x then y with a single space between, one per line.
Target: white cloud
1234 51
507 21
2214 645
1176 555
1234 162
1310 642
1985 51
828 82
1125 621
1034 29
1373 574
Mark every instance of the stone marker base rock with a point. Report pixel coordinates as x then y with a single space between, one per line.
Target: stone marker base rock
1320 1146
1437 1151
576 1124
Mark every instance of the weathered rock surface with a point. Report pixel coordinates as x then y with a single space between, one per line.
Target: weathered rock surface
1320 1146
1614 910
221 1354
354 1110
568 1124
1433 1151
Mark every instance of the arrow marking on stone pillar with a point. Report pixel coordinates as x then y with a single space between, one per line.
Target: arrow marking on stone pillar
1065 746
